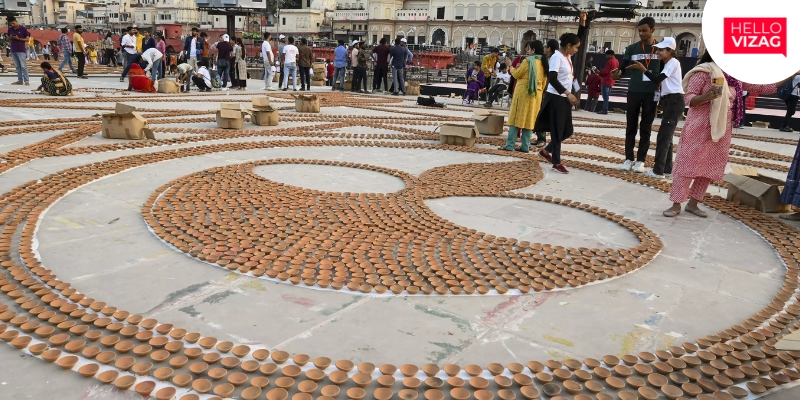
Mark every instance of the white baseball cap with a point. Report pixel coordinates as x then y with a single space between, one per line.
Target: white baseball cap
281 37
404 40
226 38
668 42
355 42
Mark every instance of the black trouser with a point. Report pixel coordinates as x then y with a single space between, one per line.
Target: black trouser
362 72
492 93
47 57
791 105
305 77
330 81
356 82
591 103
81 61
637 101
673 110
380 74
110 57
200 83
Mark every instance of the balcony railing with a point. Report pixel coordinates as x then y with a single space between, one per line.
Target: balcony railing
685 16
351 15
417 15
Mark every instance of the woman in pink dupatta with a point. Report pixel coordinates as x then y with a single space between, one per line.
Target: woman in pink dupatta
706 135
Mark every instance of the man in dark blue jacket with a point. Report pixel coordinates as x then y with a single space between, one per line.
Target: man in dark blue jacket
398 58
192 47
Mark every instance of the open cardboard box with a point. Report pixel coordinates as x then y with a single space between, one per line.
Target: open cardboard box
262 113
306 103
488 122
230 116
125 123
167 85
755 190
458 135
789 342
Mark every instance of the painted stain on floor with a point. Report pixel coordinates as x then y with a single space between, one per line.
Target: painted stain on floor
559 340
305 302
446 350
462 323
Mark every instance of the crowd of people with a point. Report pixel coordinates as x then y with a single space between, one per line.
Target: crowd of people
541 83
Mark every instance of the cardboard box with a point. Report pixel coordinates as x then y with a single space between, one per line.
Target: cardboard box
306 103
264 117
412 88
315 82
458 135
755 190
230 116
488 122
168 85
261 102
789 342
126 123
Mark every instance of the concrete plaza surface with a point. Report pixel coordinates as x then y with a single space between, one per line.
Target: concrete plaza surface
711 274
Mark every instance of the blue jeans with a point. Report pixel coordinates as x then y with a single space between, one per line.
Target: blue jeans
127 69
290 68
156 71
223 70
19 63
67 59
399 81
338 74
605 91
512 138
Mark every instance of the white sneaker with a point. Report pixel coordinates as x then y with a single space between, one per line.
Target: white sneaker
627 165
638 167
651 174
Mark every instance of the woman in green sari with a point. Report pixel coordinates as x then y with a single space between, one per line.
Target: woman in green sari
531 76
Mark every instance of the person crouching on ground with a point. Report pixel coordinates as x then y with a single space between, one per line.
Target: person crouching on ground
183 73
202 79
54 83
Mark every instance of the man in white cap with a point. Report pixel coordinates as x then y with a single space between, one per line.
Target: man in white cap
269 61
279 63
224 55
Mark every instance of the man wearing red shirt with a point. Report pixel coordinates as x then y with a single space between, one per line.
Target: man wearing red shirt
607 79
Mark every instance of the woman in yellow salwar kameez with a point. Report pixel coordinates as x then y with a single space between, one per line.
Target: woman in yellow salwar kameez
531 76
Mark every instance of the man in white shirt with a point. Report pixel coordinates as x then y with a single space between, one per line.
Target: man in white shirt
290 53
154 59
183 74
128 43
503 79
202 79
269 60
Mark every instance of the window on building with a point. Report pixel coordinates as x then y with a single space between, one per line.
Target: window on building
484 12
472 12
440 13
459 12
283 22
531 12
387 13
497 12
511 12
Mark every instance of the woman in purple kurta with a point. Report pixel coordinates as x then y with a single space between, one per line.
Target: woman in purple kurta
475 82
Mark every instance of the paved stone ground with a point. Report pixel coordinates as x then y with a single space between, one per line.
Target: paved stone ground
711 274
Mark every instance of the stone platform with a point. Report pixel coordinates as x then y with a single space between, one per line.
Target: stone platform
353 235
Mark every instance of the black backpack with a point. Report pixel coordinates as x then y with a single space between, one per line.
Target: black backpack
426 101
